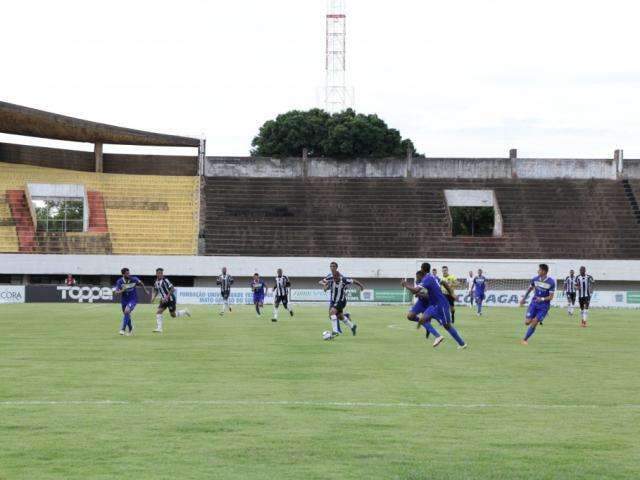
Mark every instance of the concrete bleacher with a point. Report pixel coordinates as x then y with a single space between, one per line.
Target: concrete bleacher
394 217
129 214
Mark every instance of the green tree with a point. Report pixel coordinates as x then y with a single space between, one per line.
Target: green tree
342 135
59 215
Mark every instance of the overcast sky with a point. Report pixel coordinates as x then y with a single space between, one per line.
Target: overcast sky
460 78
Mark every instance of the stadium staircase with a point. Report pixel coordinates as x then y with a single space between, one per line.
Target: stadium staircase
409 218
630 193
128 214
8 233
23 220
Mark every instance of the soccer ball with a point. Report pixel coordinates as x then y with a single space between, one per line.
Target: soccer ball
327 335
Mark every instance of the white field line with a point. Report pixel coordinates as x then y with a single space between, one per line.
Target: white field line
402 327
313 403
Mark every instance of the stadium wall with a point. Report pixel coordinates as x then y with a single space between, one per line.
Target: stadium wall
132 164
574 168
47 157
301 267
421 167
171 165
296 167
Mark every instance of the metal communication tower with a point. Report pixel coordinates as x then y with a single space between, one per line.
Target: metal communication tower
337 96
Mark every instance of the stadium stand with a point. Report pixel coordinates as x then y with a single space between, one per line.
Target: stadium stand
409 218
128 214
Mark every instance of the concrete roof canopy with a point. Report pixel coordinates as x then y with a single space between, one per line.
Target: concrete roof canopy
19 120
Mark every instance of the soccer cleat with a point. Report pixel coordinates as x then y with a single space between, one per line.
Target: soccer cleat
274 319
221 314
524 342
157 330
462 347
229 309
438 341
291 312
335 334
121 332
353 329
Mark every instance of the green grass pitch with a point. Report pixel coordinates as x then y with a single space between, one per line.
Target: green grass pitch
240 397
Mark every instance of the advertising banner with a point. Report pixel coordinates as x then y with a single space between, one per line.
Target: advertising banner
12 294
212 296
244 296
633 298
392 296
76 294
511 298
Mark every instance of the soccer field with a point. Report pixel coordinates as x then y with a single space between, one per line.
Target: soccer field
240 397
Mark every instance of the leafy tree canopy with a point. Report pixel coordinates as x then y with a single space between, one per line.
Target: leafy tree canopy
342 135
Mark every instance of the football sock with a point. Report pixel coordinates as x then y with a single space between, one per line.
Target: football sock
257 309
347 321
159 321
530 331
275 313
479 307
429 328
125 321
454 333
128 320
453 316
334 324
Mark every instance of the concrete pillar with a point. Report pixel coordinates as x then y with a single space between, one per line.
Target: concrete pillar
513 158
305 163
618 157
409 171
97 155
202 153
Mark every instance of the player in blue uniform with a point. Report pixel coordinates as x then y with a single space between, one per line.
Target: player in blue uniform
126 286
479 286
437 305
420 306
544 289
258 287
